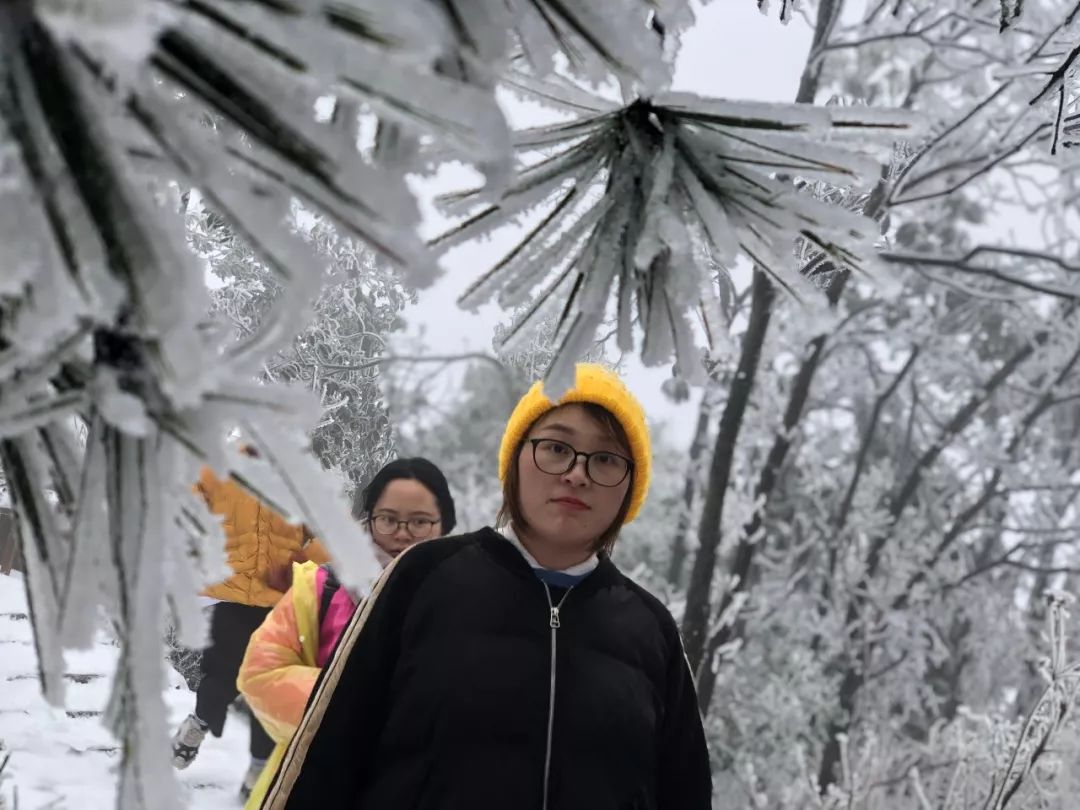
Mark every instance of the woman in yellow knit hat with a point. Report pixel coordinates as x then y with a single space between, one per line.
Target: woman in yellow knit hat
515 667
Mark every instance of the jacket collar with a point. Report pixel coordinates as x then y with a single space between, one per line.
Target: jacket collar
605 574
579 570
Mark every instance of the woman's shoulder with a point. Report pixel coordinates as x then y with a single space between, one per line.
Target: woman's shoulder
424 557
665 622
416 568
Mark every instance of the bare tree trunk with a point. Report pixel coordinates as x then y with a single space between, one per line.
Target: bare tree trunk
696 619
748 539
742 566
698 596
677 564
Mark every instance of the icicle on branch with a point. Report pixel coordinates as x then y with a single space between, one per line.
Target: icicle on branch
597 40
625 193
101 320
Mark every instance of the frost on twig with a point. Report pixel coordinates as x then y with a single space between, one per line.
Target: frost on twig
1051 711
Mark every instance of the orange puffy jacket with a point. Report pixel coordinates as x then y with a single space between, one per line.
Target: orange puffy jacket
259 543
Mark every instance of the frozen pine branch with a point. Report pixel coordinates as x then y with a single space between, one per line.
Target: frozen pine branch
627 191
258 70
597 41
104 108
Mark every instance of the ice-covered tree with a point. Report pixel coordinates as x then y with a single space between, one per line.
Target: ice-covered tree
337 354
108 106
887 485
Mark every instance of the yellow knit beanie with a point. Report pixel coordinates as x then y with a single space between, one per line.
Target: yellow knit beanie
598 385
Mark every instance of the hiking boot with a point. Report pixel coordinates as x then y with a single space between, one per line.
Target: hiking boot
254 771
186 741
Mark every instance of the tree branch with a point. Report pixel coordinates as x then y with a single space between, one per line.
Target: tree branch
853 678
690 486
963 265
990 489
696 617
960 420
864 449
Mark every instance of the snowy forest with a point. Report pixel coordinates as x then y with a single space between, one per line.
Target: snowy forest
215 215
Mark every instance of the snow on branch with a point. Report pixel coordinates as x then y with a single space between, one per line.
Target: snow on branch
114 388
1013 120
978 263
597 40
1050 713
627 191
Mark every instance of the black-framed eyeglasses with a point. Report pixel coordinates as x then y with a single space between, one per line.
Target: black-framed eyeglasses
417 527
555 457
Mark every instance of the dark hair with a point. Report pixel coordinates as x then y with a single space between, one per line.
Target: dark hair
510 511
413 469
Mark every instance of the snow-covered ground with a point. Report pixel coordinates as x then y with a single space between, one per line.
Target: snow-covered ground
64 758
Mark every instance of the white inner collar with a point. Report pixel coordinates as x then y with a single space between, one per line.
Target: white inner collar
578 570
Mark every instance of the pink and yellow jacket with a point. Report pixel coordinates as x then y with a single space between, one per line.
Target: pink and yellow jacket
284 657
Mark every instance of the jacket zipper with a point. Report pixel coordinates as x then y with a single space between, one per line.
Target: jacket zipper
555 622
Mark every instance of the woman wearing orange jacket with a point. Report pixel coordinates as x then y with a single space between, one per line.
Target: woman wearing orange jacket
259 544
407 501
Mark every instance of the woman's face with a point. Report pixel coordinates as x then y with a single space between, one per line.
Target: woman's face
404 511
569 511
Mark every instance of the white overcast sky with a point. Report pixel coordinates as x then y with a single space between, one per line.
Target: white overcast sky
733 51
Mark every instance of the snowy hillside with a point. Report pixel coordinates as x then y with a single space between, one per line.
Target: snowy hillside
64 758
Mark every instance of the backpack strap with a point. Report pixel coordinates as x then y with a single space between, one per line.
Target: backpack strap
330 587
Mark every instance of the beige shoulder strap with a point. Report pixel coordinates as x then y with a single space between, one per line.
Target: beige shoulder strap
293 762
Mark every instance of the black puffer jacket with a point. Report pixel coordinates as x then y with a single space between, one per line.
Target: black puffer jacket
442 695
